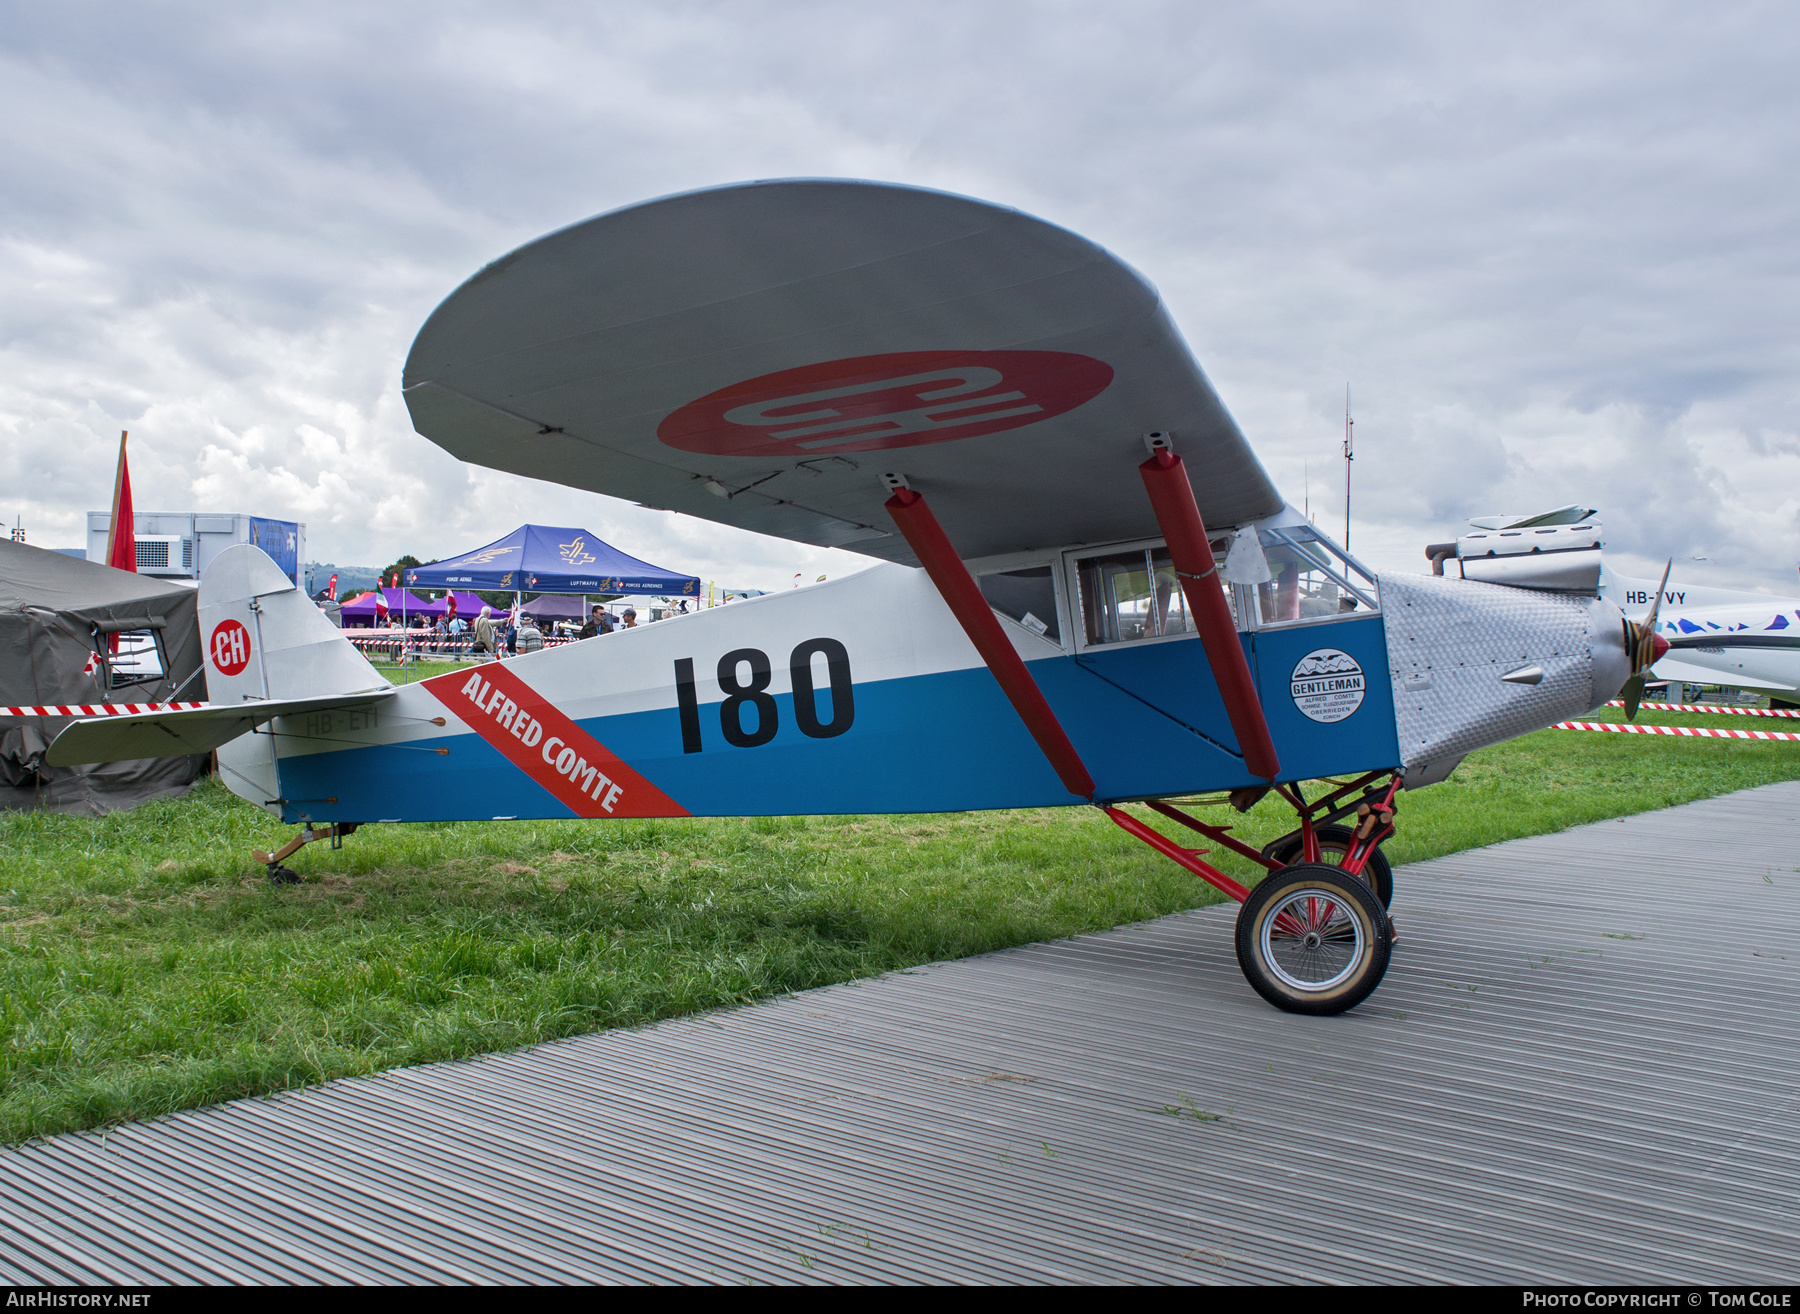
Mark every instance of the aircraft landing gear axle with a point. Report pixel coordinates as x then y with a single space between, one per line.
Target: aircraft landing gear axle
1314 935
1335 844
280 875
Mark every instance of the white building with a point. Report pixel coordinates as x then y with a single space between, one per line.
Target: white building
182 544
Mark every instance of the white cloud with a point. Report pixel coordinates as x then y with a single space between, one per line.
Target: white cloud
1552 249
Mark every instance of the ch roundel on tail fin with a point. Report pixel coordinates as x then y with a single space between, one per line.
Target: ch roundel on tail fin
264 638
266 643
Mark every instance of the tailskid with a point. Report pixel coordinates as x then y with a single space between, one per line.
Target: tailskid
280 875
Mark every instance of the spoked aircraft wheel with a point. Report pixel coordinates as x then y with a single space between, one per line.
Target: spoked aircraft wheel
1312 938
1334 843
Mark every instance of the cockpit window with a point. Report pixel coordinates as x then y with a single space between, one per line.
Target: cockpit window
1312 579
1132 595
1028 596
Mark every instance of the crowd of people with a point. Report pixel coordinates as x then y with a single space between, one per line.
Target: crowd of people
504 634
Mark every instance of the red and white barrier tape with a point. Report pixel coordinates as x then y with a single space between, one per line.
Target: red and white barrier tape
1684 731
1712 707
447 648
100 709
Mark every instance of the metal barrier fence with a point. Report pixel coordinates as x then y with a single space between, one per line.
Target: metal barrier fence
402 646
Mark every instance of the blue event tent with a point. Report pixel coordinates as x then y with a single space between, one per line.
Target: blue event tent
543 559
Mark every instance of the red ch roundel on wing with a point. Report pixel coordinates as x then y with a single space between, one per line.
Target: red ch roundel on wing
229 647
869 403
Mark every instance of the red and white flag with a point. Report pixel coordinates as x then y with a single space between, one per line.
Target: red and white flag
381 605
331 590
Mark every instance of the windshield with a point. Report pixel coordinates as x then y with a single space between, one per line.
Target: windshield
1311 579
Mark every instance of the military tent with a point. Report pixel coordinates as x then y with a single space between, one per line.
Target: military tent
58 619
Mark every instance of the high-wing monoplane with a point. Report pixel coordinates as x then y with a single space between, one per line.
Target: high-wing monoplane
1089 591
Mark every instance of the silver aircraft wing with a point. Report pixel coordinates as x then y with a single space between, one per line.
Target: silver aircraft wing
761 354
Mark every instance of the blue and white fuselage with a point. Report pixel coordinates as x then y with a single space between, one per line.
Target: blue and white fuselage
864 695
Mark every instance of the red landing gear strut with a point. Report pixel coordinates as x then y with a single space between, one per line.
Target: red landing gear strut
1356 849
1311 937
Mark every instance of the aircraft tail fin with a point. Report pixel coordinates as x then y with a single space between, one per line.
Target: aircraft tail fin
269 652
264 638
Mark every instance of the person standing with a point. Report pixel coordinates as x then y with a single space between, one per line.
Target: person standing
484 635
531 639
630 618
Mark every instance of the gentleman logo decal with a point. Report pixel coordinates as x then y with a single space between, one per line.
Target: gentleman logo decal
1327 685
872 403
229 647
582 773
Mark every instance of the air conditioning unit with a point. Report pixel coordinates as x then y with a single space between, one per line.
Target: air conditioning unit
165 554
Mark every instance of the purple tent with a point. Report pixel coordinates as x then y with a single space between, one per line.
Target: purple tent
468 606
362 612
555 607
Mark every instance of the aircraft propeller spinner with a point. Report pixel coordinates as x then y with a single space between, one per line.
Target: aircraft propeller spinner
1646 647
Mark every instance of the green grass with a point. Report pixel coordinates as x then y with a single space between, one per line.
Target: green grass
146 965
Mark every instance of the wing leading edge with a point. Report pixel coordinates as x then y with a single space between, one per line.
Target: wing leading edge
760 354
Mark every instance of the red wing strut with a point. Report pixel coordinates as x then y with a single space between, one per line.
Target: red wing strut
959 589
1172 496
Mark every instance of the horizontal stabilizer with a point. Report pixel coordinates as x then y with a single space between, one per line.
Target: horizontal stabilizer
174 734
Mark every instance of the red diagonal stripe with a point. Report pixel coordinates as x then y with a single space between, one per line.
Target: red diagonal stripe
578 770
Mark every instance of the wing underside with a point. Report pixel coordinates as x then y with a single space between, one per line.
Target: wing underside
760 355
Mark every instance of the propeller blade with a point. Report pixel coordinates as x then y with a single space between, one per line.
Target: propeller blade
1633 693
1662 587
1644 656
1643 640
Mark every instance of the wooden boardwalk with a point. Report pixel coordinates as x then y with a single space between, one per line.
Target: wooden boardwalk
1582 1068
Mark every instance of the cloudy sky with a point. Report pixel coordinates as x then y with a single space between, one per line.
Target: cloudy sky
1552 248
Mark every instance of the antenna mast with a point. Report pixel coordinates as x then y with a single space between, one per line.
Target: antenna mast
1349 456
